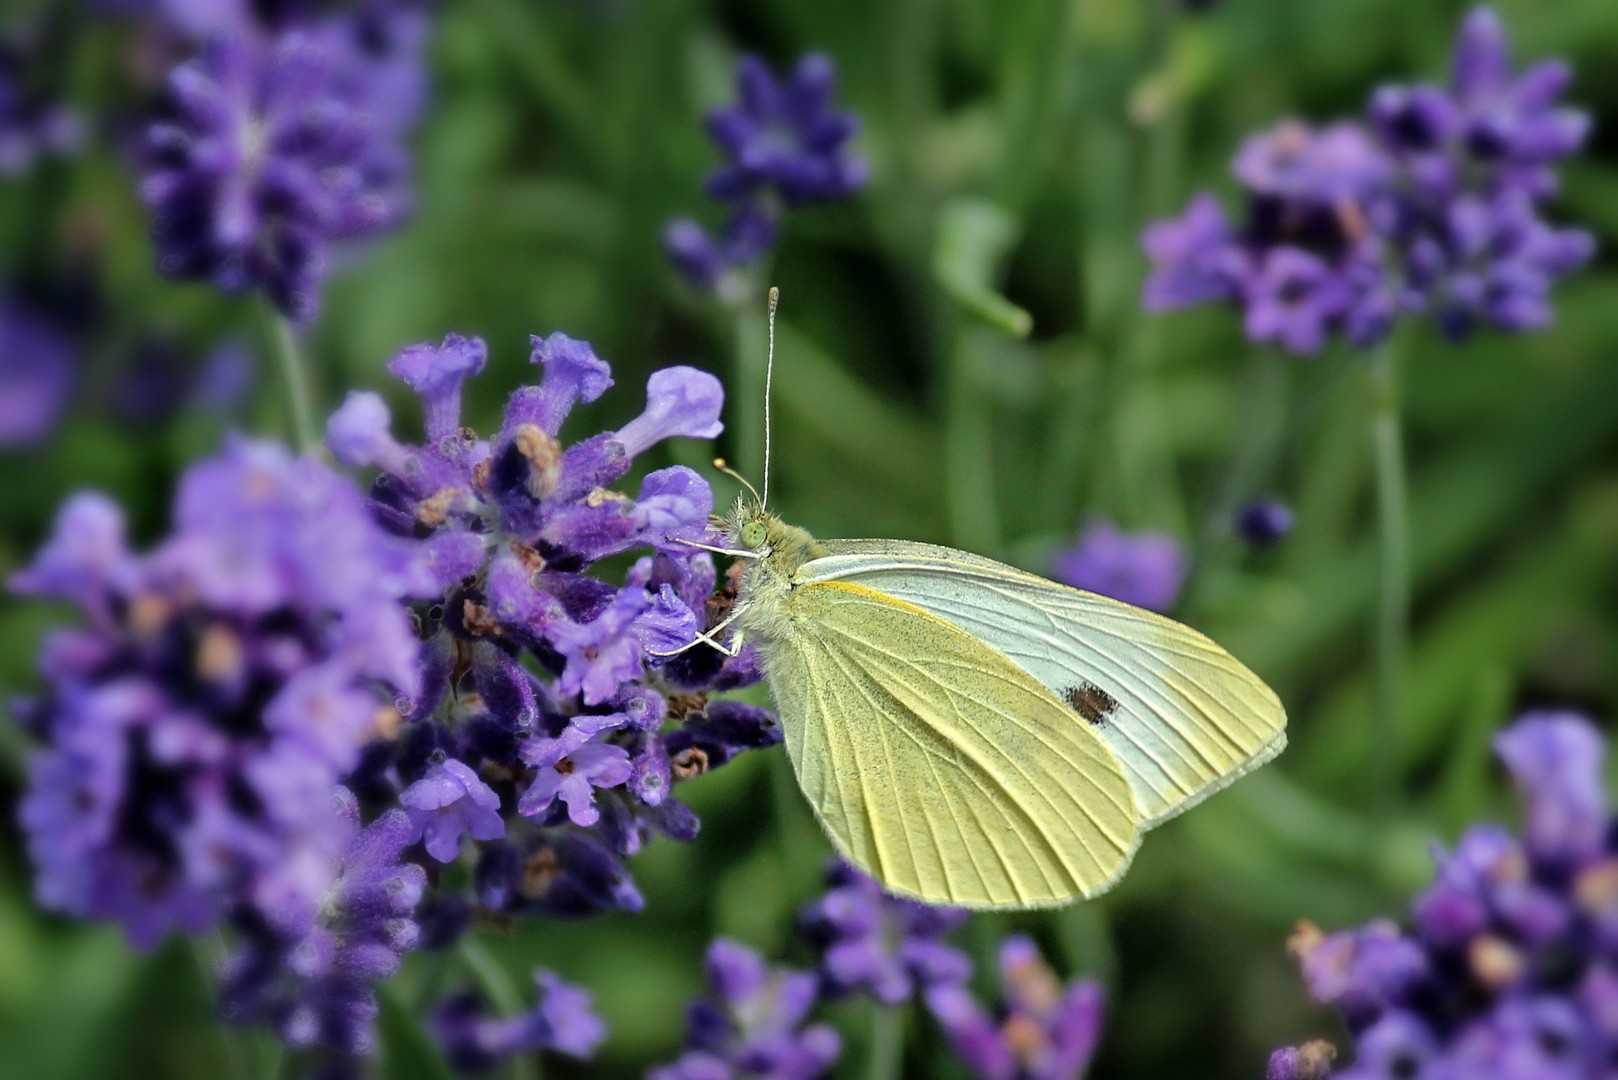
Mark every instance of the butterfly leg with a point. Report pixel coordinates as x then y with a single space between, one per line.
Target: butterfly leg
703 636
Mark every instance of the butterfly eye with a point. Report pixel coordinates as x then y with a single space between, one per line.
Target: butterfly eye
753 534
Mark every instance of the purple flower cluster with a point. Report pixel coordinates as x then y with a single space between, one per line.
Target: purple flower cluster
1146 569
281 140
537 730
752 1027
1511 969
195 729
475 1042
37 372
784 146
872 942
30 128
1042 1031
1432 206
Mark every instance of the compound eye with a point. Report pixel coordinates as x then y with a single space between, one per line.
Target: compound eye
753 534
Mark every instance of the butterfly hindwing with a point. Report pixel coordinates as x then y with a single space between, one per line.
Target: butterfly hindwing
1183 716
939 765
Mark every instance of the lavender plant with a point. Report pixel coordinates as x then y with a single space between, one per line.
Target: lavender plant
1146 569
1432 205
1507 970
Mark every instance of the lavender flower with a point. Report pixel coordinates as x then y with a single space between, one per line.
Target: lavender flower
752 1027
1264 523
37 369
1509 970
537 730
312 983
474 1042
30 128
194 730
1044 1032
1146 569
784 146
279 144
1434 206
887 946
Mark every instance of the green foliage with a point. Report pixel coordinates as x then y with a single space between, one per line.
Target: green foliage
961 358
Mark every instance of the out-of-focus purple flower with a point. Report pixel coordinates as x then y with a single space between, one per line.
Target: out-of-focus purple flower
448 801
1434 207
784 146
31 129
475 1042
278 145
1146 569
194 730
1264 523
313 984
1042 1031
1510 969
37 372
887 946
752 1026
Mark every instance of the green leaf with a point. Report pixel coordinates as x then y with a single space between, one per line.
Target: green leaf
973 236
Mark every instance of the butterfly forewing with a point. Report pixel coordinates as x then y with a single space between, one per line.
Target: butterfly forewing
937 764
1183 717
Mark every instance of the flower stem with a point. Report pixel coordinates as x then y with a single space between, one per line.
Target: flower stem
887 1042
1393 614
496 982
209 952
294 382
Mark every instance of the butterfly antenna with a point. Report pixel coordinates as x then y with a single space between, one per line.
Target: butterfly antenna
719 463
769 371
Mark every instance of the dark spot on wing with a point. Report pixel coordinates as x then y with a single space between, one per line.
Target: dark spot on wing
1091 702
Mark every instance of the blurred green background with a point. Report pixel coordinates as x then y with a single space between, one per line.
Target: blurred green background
1017 149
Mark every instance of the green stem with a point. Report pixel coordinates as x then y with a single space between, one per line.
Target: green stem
209 953
974 510
294 382
1262 424
496 982
887 1042
1393 611
752 349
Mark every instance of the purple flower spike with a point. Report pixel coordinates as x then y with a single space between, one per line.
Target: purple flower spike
360 433
887 946
1145 569
1194 258
84 555
681 402
1048 1032
475 1042
37 368
753 1024
784 146
1510 972
604 652
451 800
574 779
1265 523
276 147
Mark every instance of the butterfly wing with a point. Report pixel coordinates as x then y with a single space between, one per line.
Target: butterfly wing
1184 717
939 766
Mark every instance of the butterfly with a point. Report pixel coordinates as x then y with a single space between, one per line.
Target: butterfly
972 734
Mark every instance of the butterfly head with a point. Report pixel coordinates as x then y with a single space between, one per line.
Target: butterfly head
751 527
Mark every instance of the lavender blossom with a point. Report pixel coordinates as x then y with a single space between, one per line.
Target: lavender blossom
1509 968
1146 569
1044 1032
1264 523
1434 206
279 144
37 372
785 146
752 1026
193 731
538 727
475 1042
887 946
